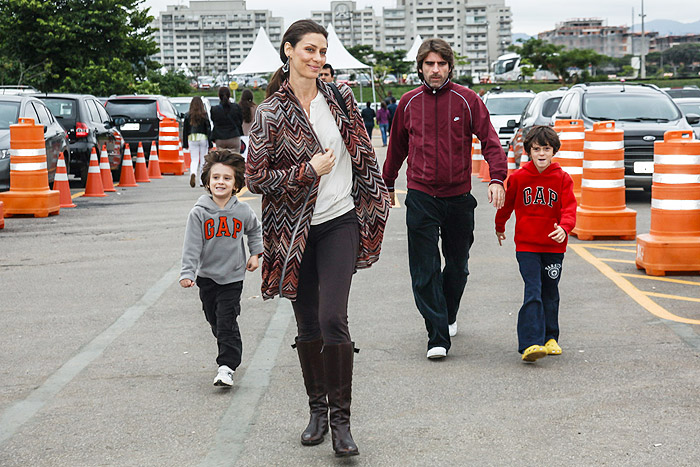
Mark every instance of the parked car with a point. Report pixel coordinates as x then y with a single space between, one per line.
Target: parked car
14 107
343 79
88 126
685 91
205 82
16 90
504 106
142 115
690 106
643 111
538 112
363 79
390 79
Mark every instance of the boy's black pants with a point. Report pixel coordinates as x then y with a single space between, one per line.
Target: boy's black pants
222 305
538 319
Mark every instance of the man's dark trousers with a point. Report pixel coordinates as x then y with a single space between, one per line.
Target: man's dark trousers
538 318
438 293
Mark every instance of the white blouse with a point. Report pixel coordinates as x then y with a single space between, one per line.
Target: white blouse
335 188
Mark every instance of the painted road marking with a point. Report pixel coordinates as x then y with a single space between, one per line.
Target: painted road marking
22 411
615 260
596 247
637 295
673 297
660 279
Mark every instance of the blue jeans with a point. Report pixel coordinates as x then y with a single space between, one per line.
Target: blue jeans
438 293
538 319
384 128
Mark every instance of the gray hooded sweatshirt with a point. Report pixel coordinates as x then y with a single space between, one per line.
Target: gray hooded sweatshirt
214 246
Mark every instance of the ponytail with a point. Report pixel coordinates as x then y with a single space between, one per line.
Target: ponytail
276 82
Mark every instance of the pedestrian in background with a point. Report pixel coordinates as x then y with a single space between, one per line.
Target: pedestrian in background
327 73
324 212
228 122
383 121
368 115
213 255
392 110
196 136
542 196
433 128
248 107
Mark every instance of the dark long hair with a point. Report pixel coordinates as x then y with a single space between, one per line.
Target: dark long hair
225 96
293 35
247 104
197 112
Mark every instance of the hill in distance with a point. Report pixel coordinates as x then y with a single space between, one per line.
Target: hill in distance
667 27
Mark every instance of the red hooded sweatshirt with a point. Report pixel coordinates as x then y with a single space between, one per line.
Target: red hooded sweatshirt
540 200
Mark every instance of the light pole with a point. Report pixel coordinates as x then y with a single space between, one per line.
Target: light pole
642 64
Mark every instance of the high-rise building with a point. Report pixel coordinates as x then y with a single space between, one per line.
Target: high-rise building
211 37
353 26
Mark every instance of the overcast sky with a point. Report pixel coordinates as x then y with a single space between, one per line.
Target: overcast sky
529 16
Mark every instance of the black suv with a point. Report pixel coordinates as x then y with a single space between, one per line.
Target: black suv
643 111
142 116
88 126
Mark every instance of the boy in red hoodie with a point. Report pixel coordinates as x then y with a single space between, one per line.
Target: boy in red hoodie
542 195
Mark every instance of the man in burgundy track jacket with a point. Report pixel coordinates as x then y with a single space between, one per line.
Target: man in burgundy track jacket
433 127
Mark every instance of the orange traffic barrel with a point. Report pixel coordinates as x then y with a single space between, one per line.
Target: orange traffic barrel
60 183
2 215
153 164
519 150
603 212
141 171
477 157
673 242
169 148
29 178
570 156
106 171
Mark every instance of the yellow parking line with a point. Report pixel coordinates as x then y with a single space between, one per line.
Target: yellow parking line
596 247
77 195
672 297
662 279
613 260
627 287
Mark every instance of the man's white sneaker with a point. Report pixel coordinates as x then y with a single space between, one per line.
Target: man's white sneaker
453 329
224 377
437 352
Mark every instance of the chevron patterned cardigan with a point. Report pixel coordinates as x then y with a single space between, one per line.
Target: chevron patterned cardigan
282 143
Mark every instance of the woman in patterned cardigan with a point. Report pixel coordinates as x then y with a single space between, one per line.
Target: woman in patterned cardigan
324 211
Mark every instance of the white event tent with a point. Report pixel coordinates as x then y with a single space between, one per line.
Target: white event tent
340 58
413 51
262 58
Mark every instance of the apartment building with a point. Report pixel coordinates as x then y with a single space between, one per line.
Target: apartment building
211 37
592 33
353 26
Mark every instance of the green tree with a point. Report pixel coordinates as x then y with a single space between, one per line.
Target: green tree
556 58
99 46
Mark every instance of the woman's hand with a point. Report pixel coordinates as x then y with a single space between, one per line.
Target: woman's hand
323 162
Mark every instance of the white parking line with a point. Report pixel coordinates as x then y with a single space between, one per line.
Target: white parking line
22 411
239 417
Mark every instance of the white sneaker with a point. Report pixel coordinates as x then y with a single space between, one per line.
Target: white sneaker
437 352
224 377
453 329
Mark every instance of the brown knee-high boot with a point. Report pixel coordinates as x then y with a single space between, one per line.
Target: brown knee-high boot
337 362
311 361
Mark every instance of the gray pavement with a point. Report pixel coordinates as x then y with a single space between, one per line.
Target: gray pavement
107 361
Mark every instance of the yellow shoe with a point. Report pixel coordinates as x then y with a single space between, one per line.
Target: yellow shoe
534 352
552 347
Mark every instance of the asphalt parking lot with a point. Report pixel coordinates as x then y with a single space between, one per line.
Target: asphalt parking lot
107 361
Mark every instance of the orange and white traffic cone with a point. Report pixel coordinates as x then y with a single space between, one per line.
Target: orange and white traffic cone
29 179
153 164
484 172
60 183
603 212
511 161
105 171
477 157
141 169
673 243
93 187
188 159
127 178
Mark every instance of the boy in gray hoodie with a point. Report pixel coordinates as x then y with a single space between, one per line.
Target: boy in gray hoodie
213 254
